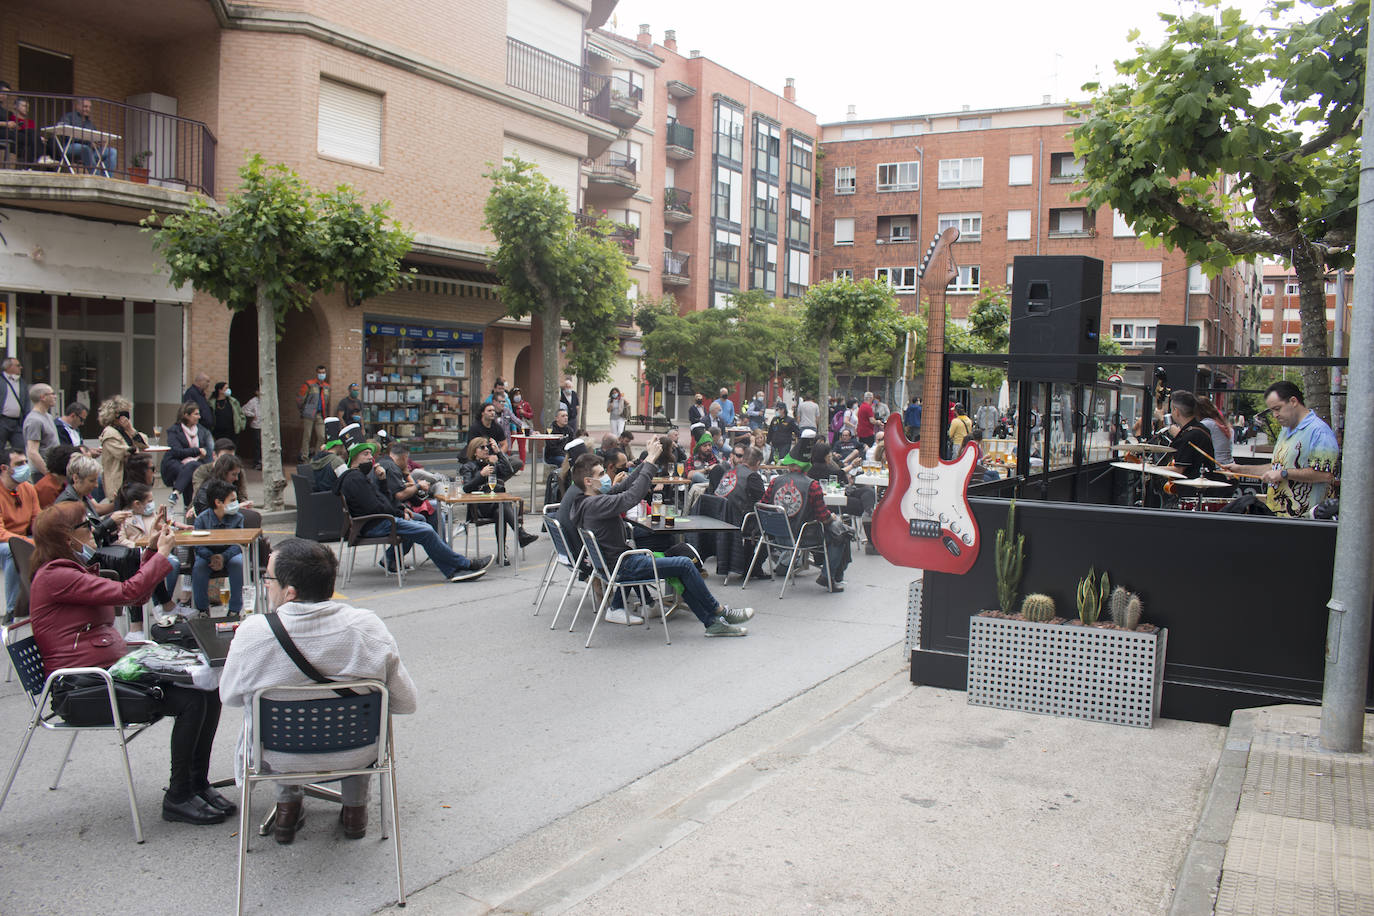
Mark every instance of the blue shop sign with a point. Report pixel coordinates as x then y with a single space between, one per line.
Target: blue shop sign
421 336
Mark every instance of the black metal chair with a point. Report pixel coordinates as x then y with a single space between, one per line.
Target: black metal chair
318 516
352 538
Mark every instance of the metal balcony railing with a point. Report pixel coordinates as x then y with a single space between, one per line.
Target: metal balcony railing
623 234
677 200
616 167
675 264
625 94
559 81
680 135
109 140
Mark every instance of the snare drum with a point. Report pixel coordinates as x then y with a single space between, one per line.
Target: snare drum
1190 504
1213 503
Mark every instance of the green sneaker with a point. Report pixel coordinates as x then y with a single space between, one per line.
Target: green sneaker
736 614
722 627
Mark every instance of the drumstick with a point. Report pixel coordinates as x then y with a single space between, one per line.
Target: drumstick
1221 470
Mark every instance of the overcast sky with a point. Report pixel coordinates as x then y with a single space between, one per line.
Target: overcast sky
893 58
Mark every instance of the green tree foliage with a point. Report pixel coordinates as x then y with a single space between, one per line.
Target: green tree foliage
1107 346
1257 378
274 244
839 309
550 269
1230 140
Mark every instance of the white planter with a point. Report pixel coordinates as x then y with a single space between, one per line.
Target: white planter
1103 675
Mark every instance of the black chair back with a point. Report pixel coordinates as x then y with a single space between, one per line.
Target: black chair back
322 725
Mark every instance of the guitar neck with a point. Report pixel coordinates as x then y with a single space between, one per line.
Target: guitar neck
932 388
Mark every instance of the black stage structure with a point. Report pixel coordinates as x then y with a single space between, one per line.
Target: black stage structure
1244 597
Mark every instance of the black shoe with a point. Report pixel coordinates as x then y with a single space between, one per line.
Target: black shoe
194 810
211 796
823 582
526 539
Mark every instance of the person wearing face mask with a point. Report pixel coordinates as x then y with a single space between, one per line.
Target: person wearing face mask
221 560
18 509
313 401
350 408
137 529
228 420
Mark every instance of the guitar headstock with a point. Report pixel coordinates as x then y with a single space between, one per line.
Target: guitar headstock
942 245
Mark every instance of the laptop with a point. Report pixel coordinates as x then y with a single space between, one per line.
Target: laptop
213 636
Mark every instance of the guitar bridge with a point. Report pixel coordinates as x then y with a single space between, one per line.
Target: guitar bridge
924 528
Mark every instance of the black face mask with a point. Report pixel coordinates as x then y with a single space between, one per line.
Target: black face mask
365 467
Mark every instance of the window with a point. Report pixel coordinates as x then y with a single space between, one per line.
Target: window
899 176
1071 222
1292 314
1120 228
764 215
350 123
845 179
974 123
856 133
961 173
1290 289
1292 340
767 147
1135 332
1266 340
843 273
799 158
908 129
725 199
1018 225
1331 287
1065 167
844 230
1011 272
1268 289
729 132
966 282
901 279
1197 280
1019 169
799 218
763 266
725 263
970 225
798 272
632 291
894 228
1136 276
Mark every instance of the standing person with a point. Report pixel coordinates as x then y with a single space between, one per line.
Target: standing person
228 415
618 409
340 642
568 397
350 406
755 413
40 433
782 433
70 423
697 412
524 412
252 433
1306 455
18 509
1216 425
727 409
553 449
808 413
986 417
313 401
489 427
960 428
864 416
118 440
880 410
911 419
14 402
195 394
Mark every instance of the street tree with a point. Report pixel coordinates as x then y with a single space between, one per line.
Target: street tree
836 309
551 270
273 245
1230 140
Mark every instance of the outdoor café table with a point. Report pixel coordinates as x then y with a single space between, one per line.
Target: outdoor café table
536 454
732 431
680 484
683 525
872 480
478 499
245 538
64 135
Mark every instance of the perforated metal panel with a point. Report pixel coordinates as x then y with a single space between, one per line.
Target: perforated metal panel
1113 676
913 616
321 726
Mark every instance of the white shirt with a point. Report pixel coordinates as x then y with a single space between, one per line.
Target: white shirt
13 408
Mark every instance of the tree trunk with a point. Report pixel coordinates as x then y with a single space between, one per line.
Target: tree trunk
553 336
1316 387
823 398
273 481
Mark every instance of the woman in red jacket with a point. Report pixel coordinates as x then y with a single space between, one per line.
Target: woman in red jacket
71 609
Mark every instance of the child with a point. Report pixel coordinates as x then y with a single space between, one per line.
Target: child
138 527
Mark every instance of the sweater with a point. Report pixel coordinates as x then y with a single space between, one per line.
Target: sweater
18 510
600 513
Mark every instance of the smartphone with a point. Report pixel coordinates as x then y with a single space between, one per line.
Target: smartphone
161 515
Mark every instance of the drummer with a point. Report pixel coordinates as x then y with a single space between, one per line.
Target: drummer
1189 436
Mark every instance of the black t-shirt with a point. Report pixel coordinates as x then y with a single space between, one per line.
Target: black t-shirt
1186 459
494 432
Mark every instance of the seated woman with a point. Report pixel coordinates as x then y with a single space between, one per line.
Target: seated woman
823 465
143 520
218 560
189 446
83 475
229 468
486 471
72 611
118 440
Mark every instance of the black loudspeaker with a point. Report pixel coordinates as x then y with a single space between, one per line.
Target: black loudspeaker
1178 340
1056 307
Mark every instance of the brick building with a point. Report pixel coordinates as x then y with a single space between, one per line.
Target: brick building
1006 178
1280 329
341 93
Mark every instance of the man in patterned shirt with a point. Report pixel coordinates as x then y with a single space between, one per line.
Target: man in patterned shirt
1306 455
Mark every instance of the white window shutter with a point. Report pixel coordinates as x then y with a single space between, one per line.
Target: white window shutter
350 125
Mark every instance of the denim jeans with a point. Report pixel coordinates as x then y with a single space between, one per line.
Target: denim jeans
11 578
89 157
200 582
412 533
694 590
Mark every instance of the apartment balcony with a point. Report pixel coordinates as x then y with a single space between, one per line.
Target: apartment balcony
675 272
677 205
679 141
557 80
118 165
677 89
615 173
626 102
622 234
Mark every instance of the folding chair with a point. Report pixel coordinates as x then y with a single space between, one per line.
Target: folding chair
611 580
775 533
24 654
297 720
561 555
352 537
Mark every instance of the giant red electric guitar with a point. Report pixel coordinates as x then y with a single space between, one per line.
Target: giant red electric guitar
924 518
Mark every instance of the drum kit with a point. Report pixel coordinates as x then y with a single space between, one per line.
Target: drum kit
1139 461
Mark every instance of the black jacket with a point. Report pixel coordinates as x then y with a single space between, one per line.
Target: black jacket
473 481
362 497
179 448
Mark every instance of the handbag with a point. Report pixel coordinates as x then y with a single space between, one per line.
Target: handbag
84 700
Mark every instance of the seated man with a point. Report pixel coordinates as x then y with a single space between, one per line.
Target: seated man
363 497
801 499
404 489
89 153
553 449
600 514
340 642
328 464
18 509
56 458
218 561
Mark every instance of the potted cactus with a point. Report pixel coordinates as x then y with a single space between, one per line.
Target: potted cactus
1102 669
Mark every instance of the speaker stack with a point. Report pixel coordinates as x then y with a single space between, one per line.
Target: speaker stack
1178 340
1056 308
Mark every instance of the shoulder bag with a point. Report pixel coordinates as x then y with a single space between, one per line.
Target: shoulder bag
294 653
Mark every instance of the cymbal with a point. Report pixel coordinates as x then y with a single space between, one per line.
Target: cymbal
1201 483
1128 465
1143 448
1162 472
